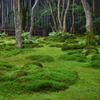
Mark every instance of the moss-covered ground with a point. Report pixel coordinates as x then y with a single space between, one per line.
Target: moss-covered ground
86 88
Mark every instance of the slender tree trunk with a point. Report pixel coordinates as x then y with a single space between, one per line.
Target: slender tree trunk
59 14
32 21
52 13
73 18
17 21
65 15
89 23
63 8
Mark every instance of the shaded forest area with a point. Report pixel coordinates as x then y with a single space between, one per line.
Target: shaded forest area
62 64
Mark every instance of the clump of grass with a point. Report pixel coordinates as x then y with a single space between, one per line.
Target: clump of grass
41 58
52 79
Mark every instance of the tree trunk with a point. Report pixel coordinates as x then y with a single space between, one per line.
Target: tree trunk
17 21
89 23
59 14
52 13
65 15
73 18
32 21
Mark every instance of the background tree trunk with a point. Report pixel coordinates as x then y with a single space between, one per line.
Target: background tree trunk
65 15
17 21
32 21
89 23
59 14
52 13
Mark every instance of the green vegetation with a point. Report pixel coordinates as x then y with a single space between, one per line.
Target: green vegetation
48 72
53 79
41 58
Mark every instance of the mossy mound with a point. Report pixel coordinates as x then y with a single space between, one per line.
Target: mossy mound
95 57
41 58
73 57
72 46
74 52
94 64
90 50
55 38
52 79
10 52
71 41
33 45
56 45
5 64
34 63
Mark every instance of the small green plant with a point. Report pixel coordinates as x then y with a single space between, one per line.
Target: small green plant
3 34
25 36
60 34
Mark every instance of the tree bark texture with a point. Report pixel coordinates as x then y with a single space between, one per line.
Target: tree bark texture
17 21
32 21
89 23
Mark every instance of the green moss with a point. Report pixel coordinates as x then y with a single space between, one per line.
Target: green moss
5 64
41 58
10 52
56 45
74 52
95 64
72 46
90 51
53 79
34 63
71 41
55 38
95 57
73 57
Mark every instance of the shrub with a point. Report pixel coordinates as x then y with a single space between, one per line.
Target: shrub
58 36
3 34
97 38
52 79
41 58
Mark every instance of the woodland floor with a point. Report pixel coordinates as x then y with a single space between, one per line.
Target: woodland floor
87 88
